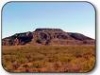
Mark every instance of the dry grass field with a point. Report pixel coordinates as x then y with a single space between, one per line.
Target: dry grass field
30 58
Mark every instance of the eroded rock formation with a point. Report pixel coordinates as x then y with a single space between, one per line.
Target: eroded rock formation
48 36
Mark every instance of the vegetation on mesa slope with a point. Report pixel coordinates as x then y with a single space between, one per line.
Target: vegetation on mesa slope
29 58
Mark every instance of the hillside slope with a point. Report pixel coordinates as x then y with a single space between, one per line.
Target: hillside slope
48 36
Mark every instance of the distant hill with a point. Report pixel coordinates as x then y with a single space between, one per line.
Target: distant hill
48 36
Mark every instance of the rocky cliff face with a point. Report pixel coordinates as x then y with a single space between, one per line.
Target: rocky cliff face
47 36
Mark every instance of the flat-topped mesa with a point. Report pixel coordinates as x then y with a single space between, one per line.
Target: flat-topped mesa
48 36
49 29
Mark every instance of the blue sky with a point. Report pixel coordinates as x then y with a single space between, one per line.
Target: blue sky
27 16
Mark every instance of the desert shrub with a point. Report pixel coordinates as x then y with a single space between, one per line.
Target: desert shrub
46 58
22 60
38 64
